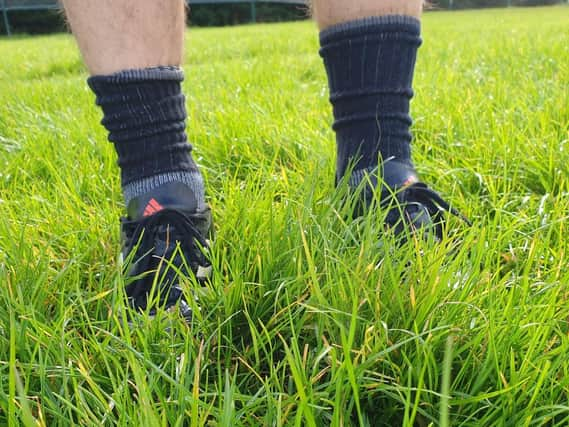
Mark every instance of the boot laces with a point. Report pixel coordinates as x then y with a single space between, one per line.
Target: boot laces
166 244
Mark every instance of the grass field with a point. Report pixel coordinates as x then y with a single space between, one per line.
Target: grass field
308 320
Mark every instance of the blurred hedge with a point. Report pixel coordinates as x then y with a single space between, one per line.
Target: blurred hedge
37 22
474 4
232 14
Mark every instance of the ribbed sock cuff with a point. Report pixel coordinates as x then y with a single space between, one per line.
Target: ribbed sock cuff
400 25
99 82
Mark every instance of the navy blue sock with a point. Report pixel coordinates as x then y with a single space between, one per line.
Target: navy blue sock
370 65
145 115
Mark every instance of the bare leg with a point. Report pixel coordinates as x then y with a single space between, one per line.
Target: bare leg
332 12
115 35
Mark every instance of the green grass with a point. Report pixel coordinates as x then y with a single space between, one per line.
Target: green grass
308 321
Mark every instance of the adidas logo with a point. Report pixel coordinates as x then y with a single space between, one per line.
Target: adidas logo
152 207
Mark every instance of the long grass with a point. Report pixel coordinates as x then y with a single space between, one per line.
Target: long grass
311 319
